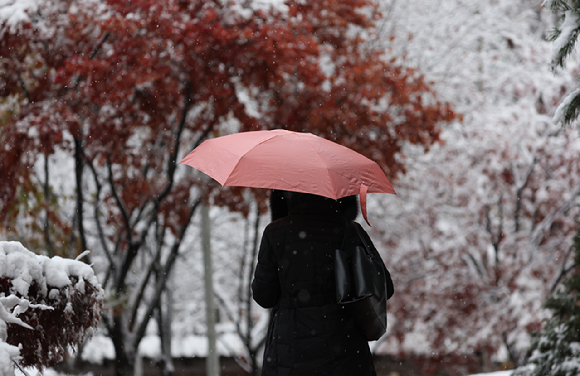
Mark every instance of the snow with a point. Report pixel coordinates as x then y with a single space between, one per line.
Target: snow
46 372
561 109
499 373
20 265
462 47
568 30
16 11
10 353
491 61
97 349
100 347
23 268
57 271
247 8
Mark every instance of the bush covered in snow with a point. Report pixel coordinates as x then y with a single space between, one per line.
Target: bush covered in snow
47 305
555 351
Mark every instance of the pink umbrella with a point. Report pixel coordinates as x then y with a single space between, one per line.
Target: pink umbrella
291 161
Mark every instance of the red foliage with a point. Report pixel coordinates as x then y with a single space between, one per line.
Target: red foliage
125 88
111 81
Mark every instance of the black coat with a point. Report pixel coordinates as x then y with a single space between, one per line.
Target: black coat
309 334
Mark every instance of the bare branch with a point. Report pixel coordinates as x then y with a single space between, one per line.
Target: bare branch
79 168
141 290
255 246
24 88
563 270
520 188
46 187
118 201
95 50
140 332
96 214
538 232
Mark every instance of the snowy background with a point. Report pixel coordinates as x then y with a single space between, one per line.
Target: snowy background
479 230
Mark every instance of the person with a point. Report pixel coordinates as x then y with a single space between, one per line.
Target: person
309 333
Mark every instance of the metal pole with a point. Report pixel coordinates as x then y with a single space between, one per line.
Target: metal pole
212 360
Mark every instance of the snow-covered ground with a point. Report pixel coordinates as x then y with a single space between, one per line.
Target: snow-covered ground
100 347
50 372
499 373
47 372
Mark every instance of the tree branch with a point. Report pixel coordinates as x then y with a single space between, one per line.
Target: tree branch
249 321
95 50
142 286
79 167
546 223
119 202
563 270
133 247
162 282
46 187
100 230
520 190
172 163
242 274
24 88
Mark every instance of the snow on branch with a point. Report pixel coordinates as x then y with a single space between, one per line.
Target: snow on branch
10 307
47 305
14 12
566 37
568 109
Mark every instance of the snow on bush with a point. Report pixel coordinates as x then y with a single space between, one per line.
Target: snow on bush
14 12
10 307
47 305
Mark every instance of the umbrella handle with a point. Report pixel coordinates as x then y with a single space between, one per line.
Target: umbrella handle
363 202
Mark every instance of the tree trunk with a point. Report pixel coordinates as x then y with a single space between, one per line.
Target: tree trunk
164 318
213 366
123 365
124 357
255 369
79 166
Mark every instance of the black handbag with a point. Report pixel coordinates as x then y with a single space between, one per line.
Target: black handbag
361 283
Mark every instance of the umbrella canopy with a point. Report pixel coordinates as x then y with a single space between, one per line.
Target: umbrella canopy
291 161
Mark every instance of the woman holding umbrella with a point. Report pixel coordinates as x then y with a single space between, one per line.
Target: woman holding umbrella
309 333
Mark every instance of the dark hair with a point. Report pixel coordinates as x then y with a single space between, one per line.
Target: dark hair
281 201
278 204
349 207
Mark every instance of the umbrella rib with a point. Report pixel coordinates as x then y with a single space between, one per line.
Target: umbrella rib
327 170
225 184
366 175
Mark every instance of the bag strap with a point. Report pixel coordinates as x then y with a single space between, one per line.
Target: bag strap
372 253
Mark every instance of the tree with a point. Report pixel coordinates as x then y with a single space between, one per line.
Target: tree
565 36
478 234
100 99
555 350
479 247
249 321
